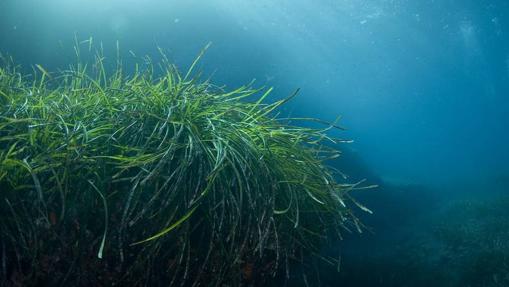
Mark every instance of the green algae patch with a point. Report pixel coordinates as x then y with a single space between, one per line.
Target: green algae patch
157 178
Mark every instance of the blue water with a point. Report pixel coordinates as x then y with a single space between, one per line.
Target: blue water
422 86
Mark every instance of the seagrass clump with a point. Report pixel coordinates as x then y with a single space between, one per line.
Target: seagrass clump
156 178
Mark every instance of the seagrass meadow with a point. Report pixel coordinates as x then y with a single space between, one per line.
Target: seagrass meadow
159 178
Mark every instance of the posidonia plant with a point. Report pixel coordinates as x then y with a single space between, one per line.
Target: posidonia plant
156 178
